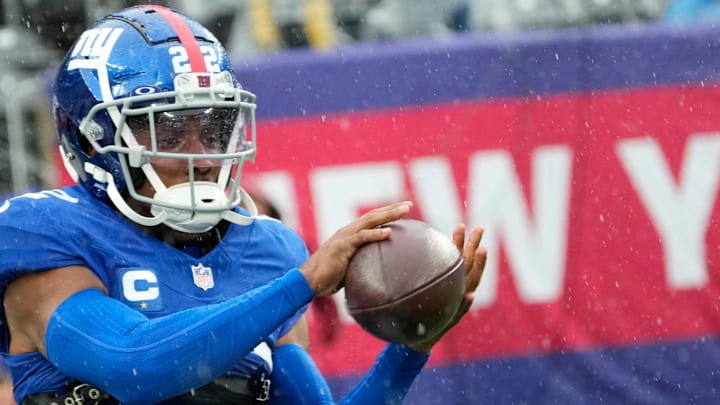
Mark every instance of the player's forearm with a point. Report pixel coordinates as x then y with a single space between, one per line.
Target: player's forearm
100 341
390 378
297 380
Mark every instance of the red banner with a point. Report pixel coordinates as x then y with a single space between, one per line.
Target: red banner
601 211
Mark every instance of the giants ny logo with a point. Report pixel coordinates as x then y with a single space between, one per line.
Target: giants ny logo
93 48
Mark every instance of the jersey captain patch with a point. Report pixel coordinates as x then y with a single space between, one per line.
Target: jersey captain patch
140 289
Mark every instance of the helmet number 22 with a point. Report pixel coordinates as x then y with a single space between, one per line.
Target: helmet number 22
181 61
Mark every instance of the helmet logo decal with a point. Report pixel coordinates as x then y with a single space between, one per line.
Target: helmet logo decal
203 81
94 46
202 276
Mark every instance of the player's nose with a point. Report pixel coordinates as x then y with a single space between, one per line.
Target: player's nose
200 150
204 173
202 166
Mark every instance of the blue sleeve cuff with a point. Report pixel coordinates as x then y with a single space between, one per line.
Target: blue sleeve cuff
299 288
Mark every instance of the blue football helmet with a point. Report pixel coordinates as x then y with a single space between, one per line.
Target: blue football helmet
125 91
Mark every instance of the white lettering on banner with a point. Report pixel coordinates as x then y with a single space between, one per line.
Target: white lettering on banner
534 236
680 212
339 192
434 185
536 250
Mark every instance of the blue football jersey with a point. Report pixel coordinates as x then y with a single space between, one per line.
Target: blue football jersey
63 227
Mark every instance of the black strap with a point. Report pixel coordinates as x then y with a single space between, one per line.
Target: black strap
226 390
78 394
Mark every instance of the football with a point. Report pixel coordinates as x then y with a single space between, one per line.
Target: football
408 287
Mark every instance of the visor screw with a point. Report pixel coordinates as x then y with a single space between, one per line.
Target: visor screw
94 131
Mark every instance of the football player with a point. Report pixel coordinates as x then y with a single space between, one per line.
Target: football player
147 282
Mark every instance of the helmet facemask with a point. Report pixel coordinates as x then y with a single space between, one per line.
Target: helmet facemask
206 123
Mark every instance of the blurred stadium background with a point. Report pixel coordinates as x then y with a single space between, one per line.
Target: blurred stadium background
582 133
35 33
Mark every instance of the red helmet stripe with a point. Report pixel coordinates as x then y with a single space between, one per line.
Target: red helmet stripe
187 39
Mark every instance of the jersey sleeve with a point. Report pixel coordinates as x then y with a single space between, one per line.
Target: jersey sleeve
37 234
35 238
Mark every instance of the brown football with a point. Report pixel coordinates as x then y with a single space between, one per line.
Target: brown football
408 287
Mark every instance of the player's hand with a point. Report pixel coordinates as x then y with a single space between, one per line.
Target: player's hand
325 269
474 258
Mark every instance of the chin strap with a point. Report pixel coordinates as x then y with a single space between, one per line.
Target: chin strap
240 219
180 220
208 196
103 176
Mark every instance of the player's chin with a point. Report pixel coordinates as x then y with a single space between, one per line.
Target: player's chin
176 237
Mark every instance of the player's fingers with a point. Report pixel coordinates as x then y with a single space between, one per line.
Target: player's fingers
458 236
379 216
470 247
369 235
474 275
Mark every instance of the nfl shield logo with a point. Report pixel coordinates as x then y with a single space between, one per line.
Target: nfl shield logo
202 276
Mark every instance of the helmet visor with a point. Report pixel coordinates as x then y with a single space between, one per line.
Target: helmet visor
205 131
